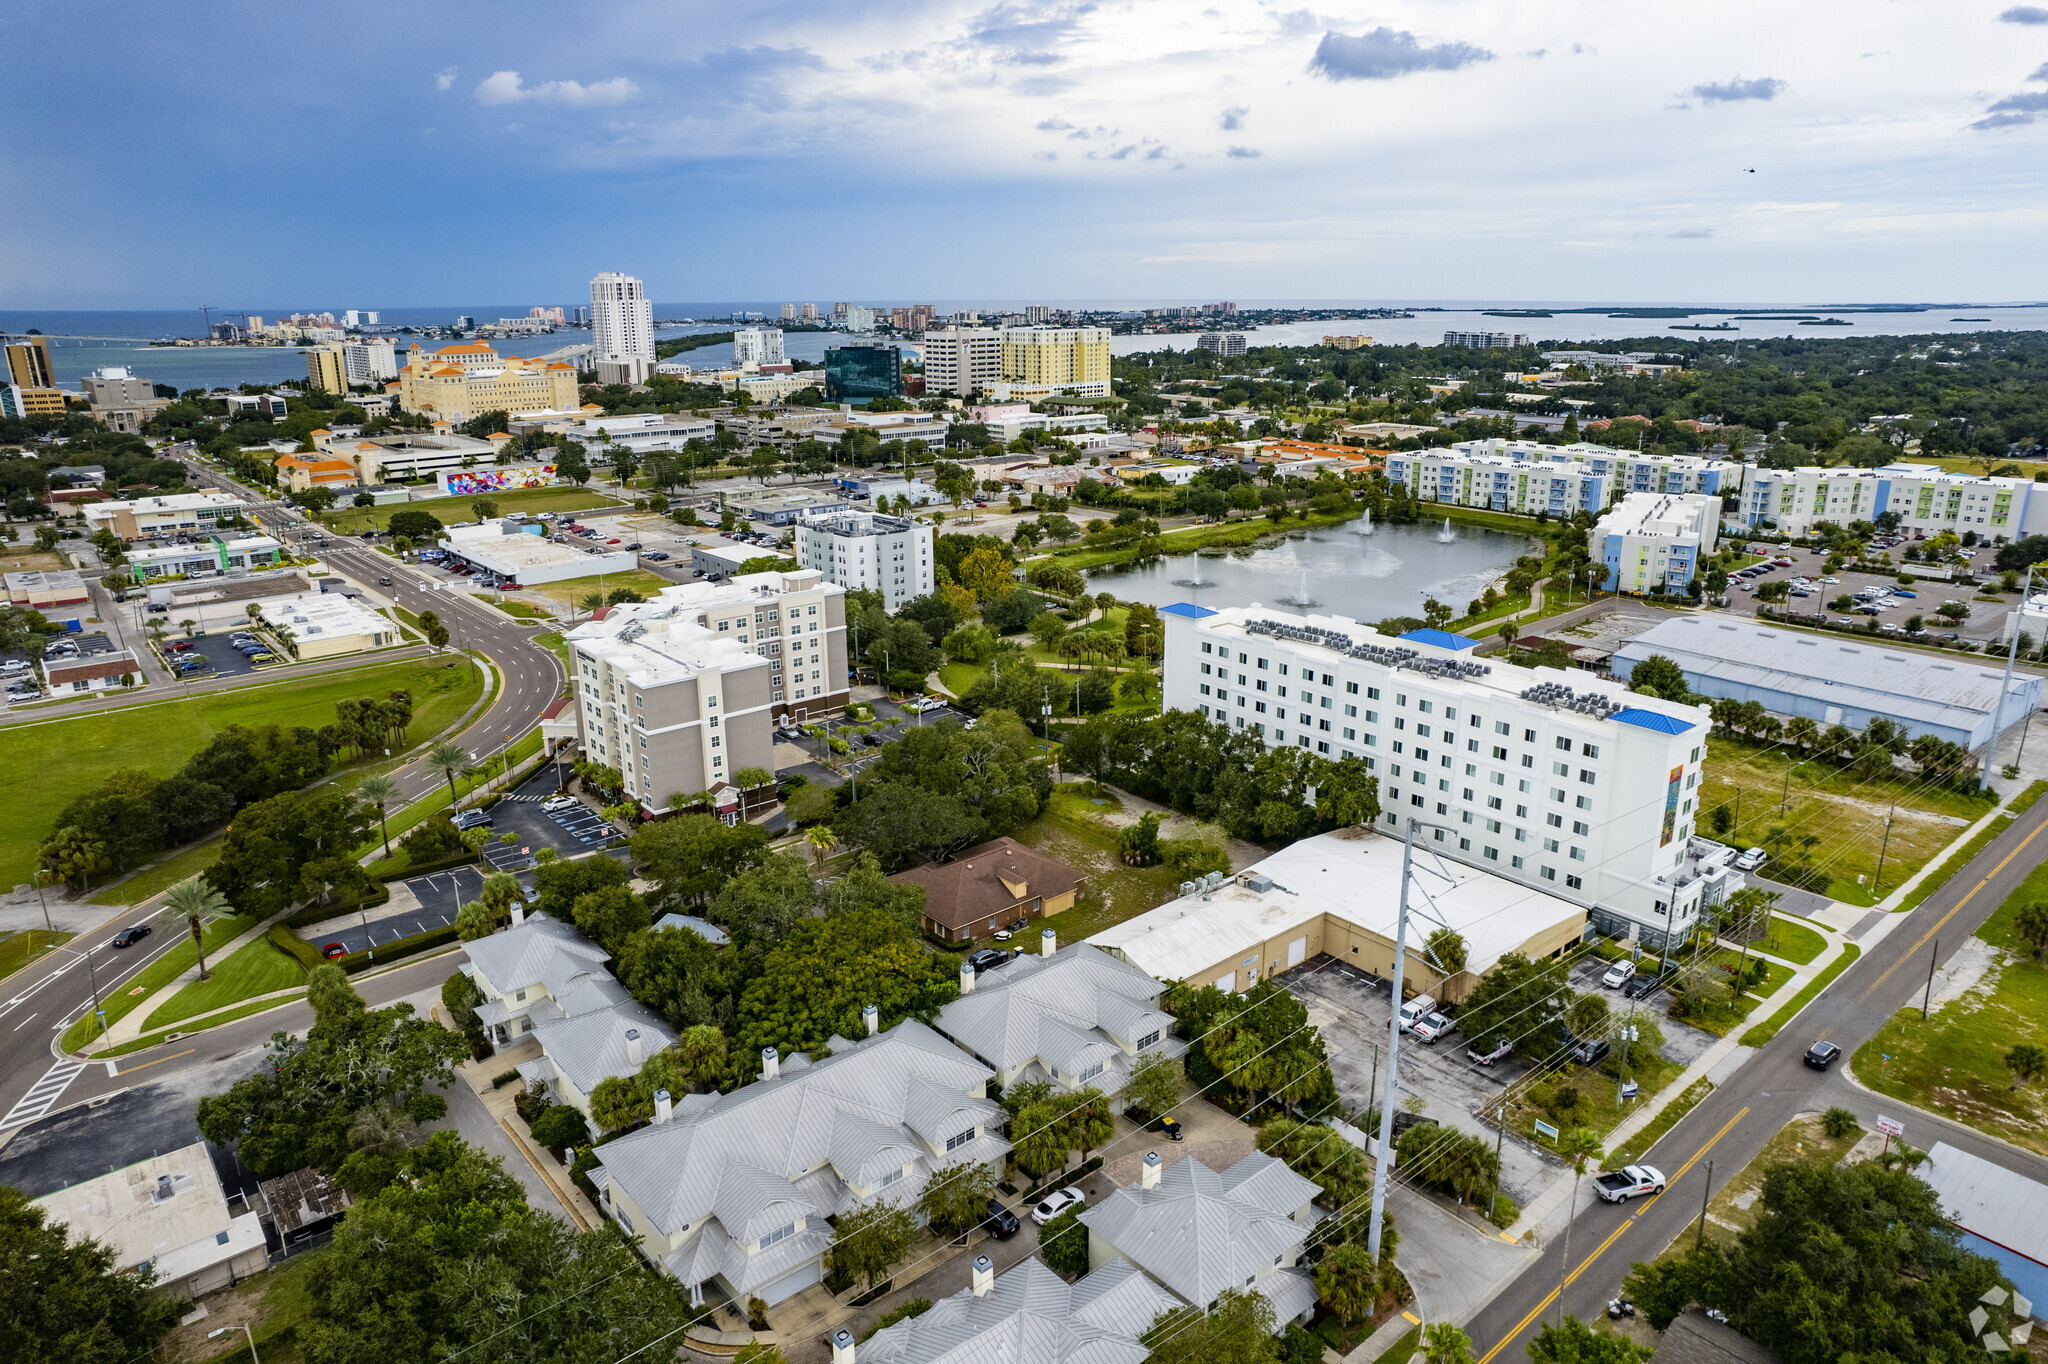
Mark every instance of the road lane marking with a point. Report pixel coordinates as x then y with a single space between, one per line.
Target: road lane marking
1914 950
147 1064
1540 1308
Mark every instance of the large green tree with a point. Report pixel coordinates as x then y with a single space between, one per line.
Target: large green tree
65 1299
815 982
689 857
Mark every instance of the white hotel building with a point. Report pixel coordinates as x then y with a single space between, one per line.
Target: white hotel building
889 554
1580 790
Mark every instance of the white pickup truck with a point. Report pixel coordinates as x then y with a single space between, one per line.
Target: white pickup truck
1631 1181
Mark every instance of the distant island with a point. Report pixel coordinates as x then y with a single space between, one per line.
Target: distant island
1703 327
1826 322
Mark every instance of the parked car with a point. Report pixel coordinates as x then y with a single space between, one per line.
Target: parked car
1631 1181
1484 1054
334 951
988 958
1587 1051
659 556
263 656
1055 1204
1416 1008
473 819
1431 1026
1752 859
157 608
554 803
1642 987
1001 1223
1618 975
634 545
1821 1055
128 937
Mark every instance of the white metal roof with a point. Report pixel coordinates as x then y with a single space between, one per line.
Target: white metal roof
1993 1202
1354 874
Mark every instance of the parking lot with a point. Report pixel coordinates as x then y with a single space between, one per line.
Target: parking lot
222 657
22 683
1923 597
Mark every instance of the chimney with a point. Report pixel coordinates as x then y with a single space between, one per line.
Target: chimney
842 1347
518 913
664 1109
635 1053
1048 943
984 1275
871 1018
771 1063
967 976
1150 1178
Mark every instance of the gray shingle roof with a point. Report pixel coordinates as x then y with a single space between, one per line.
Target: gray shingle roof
1030 1316
1050 1010
1200 1232
757 1158
540 951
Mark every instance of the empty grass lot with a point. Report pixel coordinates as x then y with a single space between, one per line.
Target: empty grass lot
255 968
450 510
71 756
1954 1063
1733 1208
1790 940
1070 828
19 949
566 597
1845 812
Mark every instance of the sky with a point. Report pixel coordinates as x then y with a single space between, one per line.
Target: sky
384 154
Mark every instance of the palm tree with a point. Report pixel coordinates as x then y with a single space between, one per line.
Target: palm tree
1579 1145
822 841
195 899
379 790
447 758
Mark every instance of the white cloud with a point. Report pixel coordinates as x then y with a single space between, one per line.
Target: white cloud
1737 90
505 87
1230 120
445 77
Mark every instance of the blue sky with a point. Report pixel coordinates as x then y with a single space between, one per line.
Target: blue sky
421 154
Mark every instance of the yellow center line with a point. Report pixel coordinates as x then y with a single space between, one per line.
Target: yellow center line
1914 950
1601 1249
159 1061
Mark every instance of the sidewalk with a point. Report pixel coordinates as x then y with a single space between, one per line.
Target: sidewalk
129 1026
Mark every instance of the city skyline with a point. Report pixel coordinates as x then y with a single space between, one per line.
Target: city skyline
1463 150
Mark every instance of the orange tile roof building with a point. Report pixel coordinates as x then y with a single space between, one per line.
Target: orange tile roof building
456 383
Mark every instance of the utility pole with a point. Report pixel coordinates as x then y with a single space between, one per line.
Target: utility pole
1385 1165
1706 1193
2012 654
1927 996
1877 883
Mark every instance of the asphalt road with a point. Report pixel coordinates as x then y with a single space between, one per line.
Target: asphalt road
1732 1124
38 1002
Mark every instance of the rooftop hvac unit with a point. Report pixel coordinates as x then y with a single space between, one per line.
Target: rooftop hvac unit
1258 882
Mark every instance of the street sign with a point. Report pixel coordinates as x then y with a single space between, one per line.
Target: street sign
1891 1127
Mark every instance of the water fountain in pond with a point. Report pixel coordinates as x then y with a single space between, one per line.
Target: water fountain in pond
1196 571
1363 525
1301 596
1446 535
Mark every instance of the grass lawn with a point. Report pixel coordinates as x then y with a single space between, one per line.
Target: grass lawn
156 975
553 640
1733 1208
161 877
1766 1030
157 1038
567 596
1071 829
1597 1090
958 677
1845 812
1954 1063
256 968
1791 940
73 755
19 949
452 509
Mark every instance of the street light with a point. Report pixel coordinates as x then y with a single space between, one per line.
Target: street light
244 1329
92 976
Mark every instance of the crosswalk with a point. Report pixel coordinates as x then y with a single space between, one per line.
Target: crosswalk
43 1094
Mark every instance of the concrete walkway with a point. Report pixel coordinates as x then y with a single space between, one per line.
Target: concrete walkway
129 1026
1454 1268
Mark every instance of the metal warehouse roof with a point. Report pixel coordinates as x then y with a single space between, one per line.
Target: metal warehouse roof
2003 1207
1913 687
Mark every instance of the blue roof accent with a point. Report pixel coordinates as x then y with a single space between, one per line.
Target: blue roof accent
1186 608
1442 639
1650 719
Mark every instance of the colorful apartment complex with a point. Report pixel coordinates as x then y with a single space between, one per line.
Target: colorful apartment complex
456 383
1928 499
1653 542
1530 477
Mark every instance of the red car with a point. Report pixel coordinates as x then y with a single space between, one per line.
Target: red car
180 645
333 950
510 587
611 542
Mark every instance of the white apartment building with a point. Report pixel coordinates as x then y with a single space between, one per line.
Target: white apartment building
1653 541
681 692
639 432
621 328
962 360
859 319
757 346
369 362
1486 340
1225 344
1625 471
866 550
1929 500
1581 790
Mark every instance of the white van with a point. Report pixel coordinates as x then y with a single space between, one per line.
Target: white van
1416 1009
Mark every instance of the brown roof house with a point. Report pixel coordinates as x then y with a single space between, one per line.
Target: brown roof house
989 887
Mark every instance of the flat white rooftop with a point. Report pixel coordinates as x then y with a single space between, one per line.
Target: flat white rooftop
168 1210
1353 874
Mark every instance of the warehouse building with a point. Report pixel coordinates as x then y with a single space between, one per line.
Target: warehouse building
1834 680
328 624
1340 893
170 1214
519 552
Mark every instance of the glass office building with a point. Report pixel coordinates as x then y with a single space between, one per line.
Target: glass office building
857 374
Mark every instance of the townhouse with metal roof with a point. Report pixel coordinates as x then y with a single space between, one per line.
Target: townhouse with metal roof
580 1053
1077 1018
731 1193
538 971
1029 1315
1198 1232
